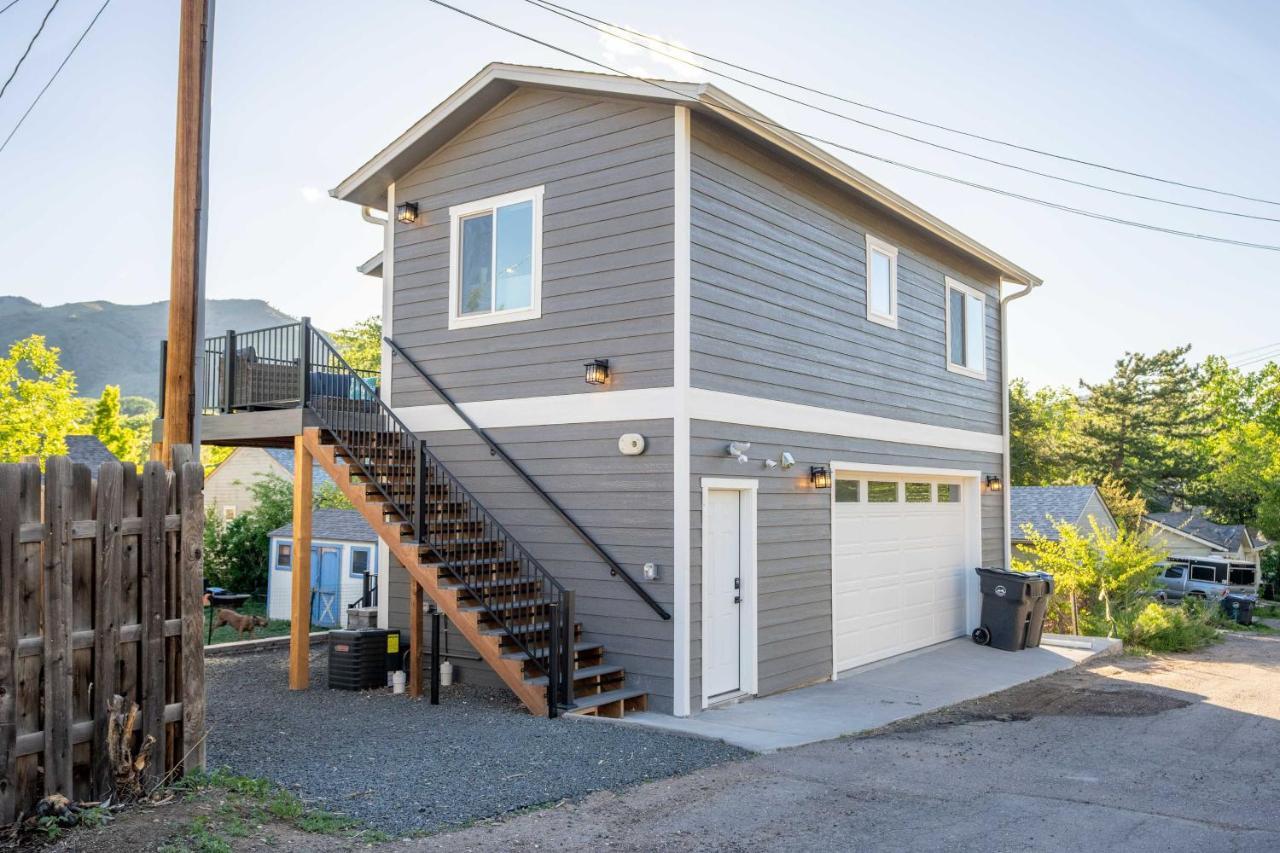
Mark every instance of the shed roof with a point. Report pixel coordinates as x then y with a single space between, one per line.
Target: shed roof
1042 506
335 525
368 184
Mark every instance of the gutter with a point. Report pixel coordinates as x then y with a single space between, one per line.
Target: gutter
1004 380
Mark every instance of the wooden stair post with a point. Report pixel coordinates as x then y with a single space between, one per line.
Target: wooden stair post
300 608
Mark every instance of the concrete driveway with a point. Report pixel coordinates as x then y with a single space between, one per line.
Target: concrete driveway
1160 754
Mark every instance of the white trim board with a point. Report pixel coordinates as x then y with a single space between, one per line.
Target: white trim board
587 407
749 641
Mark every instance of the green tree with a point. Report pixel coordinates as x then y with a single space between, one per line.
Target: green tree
1127 567
1070 558
1145 425
361 344
38 406
1126 507
1042 428
109 425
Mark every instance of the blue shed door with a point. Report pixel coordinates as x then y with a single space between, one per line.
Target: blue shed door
326 579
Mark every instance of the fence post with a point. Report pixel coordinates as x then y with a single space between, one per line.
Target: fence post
57 627
229 371
304 361
191 577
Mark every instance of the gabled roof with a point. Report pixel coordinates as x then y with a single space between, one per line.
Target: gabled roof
88 450
334 525
1043 506
368 184
319 477
1193 524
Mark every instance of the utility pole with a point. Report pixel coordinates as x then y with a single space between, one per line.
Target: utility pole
190 227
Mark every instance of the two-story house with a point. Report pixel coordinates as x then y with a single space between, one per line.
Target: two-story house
768 389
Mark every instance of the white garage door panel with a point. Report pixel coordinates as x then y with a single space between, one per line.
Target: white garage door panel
900 573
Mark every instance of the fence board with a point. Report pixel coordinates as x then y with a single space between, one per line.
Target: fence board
28 781
193 635
82 507
57 627
10 487
106 617
155 489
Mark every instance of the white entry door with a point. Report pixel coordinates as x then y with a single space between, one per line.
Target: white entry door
900 574
722 593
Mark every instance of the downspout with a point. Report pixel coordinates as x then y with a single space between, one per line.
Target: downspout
1004 380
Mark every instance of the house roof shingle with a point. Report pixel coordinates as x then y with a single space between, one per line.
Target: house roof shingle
88 450
319 477
1035 505
340 525
1229 536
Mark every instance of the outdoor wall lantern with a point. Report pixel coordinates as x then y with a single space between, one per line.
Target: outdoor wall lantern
407 212
820 477
597 371
993 483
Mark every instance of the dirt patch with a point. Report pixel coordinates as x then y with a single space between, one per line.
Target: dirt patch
1054 696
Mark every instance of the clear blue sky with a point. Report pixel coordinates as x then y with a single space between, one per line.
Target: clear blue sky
306 91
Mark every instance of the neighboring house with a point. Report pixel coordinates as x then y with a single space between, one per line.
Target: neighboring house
1044 507
344 554
227 488
797 445
88 450
1191 533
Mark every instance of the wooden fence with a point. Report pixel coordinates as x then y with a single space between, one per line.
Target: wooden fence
100 589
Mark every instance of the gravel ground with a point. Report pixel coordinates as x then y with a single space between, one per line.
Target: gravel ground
403 765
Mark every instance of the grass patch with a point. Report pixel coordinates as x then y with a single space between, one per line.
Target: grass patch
1269 610
274 628
249 803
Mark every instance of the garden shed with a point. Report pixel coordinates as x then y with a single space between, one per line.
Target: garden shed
344 567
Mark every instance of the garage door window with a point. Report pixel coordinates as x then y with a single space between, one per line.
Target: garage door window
919 493
847 491
948 493
879 492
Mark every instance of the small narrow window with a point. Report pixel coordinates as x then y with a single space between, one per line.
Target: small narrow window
882 492
359 561
284 555
882 282
966 330
919 493
847 491
228 512
948 493
495 268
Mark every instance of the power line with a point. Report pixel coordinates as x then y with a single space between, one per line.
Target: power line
1242 353
8 6
1258 359
570 16
56 72
961 181
925 123
30 45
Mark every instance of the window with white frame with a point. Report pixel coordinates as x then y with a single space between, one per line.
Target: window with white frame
966 330
882 282
495 260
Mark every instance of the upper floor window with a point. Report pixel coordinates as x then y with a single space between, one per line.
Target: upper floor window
966 330
882 282
495 259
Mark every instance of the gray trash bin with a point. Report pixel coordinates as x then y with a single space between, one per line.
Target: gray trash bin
1013 608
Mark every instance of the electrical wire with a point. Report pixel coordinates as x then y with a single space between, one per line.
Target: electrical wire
8 6
1258 359
923 122
56 72
553 9
30 45
1212 238
1242 353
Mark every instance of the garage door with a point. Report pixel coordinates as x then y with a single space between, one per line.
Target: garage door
899 563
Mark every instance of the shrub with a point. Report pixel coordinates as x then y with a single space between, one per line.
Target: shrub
1159 628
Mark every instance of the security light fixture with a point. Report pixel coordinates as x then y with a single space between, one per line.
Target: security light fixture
407 212
786 460
820 477
993 483
597 371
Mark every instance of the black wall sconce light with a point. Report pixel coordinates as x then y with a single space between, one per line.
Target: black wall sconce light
597 371
820 477
407 212
994 485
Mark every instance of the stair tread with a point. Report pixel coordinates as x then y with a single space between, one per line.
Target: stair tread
506 605
584 703
585 672
541 651
525 628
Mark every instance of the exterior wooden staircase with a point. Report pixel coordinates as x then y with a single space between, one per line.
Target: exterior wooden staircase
515 613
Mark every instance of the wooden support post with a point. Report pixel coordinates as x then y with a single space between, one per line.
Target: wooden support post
415 637
300 611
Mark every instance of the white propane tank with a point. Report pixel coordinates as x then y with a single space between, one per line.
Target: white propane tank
397 681
446 673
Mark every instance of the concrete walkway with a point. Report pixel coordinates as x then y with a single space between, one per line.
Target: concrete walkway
877 694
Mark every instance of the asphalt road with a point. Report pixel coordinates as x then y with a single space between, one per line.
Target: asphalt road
1160 754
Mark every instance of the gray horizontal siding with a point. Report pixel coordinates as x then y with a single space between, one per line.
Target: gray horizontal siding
607 257
793 549
779 297
624 501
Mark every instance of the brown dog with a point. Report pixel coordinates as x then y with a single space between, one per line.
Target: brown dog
243 623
